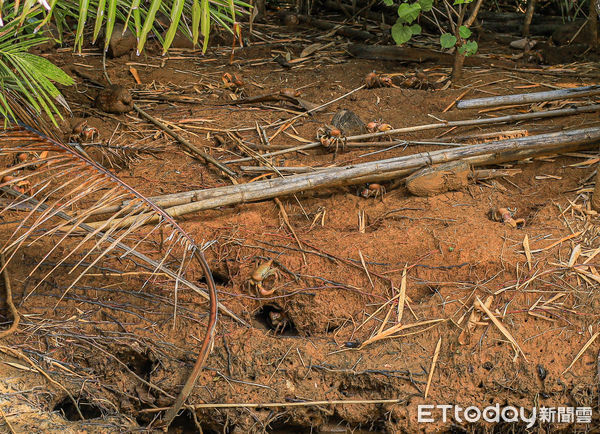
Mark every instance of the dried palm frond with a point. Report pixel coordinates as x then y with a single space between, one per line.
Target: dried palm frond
61 190
119 156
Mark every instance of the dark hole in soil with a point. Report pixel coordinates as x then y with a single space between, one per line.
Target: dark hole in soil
276 319
455 429
425 292
331 328
184 423
140 363
67 408
219 277
285 428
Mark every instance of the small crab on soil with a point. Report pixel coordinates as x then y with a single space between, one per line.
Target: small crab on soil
374 80
260 275
232 81
505 215
378 126
373 190
278 320
331 138
23 186
83 133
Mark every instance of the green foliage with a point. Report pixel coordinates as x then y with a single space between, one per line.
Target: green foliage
23 73
24 25
407 13
448 40
402 33
468 48
426 5
464 32
404 29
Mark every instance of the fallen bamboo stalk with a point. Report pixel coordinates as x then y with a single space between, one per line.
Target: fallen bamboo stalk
176 199
281 169
526 98
448 124
489 153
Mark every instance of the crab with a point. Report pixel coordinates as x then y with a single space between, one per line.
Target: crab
374 80
89 133
331 138
84 133
373 190
259 276
20 185
232 81
278 320
378 126
505 215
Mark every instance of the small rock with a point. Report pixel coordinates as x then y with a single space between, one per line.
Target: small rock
114 99
348 123
289 19
523 44
439 179
121 43
542 373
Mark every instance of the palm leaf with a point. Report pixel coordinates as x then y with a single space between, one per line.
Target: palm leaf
62 190
31 76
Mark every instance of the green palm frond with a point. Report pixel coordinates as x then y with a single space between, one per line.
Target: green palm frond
30 76
191 17
25 24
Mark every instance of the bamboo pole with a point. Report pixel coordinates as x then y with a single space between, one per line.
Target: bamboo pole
448 124
525 98
488 153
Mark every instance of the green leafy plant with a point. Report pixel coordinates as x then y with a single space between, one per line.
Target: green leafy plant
27 24
405 27
466 47
22 73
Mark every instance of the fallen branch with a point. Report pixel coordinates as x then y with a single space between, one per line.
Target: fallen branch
189 146
283 404
526 98
346 31
9 301
419 55
480 305
489 153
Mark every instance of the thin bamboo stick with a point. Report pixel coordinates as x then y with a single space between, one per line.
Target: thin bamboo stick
526 98
464 123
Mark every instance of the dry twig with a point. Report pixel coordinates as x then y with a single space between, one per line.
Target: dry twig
9 300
